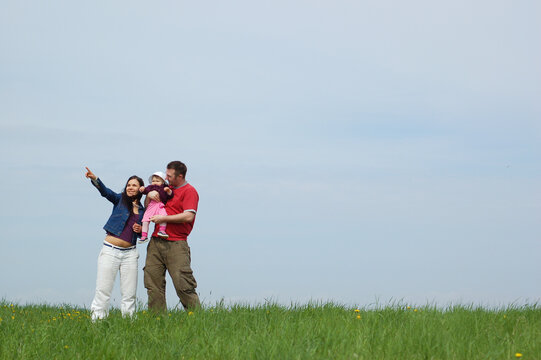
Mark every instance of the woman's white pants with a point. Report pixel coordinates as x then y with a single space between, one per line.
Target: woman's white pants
110 262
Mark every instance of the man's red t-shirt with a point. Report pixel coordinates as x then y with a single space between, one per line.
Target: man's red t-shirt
185 198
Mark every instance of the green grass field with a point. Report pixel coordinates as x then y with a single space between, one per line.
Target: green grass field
317 331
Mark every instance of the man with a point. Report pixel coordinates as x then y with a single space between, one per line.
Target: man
172 254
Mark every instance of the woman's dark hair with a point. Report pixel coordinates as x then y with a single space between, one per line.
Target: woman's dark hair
127 200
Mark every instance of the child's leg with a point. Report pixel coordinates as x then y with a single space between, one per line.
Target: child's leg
162 226
144 232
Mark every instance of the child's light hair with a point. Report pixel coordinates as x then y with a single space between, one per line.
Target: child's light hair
158 178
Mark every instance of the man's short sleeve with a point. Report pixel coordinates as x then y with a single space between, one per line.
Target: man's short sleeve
191 200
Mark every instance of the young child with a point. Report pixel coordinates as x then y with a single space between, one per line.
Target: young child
157 181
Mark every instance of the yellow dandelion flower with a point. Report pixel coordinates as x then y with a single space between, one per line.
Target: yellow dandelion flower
190 313
357 310
518 355
13 318
409 307
359 317
415 310
66 347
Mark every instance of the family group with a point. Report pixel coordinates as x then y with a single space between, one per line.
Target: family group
171 203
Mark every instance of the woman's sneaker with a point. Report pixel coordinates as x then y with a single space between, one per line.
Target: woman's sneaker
162 234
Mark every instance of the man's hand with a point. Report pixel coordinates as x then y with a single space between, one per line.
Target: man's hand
137 228
154 195
158 219
89 174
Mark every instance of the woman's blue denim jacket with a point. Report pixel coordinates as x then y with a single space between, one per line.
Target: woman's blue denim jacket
120 213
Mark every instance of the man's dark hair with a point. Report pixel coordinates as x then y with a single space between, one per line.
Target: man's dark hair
179 167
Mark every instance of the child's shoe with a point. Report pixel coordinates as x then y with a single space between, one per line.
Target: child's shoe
142 240
162 234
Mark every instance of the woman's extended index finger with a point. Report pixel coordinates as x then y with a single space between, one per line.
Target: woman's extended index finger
88 173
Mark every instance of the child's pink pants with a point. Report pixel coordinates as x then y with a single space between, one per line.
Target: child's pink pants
154 208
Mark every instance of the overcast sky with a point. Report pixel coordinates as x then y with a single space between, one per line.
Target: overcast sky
357 152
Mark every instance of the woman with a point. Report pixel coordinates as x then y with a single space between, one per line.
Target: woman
119 253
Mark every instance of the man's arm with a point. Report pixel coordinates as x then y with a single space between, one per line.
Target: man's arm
152 195
186 216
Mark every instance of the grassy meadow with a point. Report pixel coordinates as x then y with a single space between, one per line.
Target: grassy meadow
313 331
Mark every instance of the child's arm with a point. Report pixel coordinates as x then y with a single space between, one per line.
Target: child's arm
168 192
151 194
147 189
